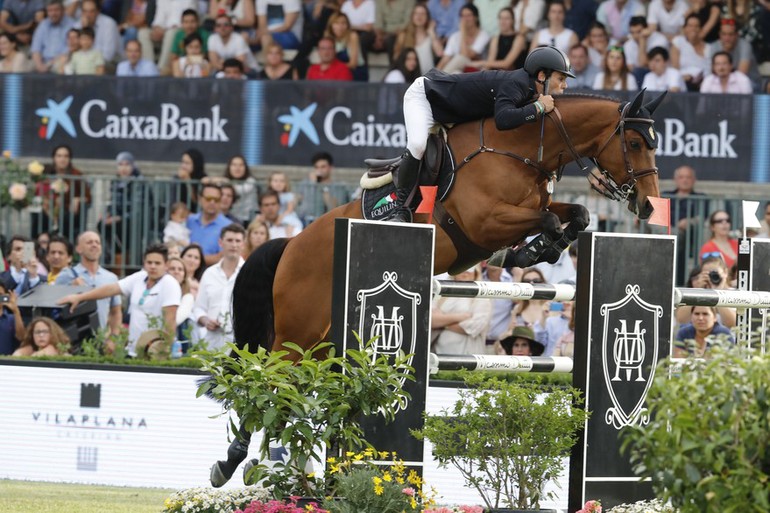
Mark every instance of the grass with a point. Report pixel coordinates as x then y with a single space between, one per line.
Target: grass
38 497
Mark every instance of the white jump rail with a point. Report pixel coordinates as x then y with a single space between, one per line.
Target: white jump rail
563 292
499 363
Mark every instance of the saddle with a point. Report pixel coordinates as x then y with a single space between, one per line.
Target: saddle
378 183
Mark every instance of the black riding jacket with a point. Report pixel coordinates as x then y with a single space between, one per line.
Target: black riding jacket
508 96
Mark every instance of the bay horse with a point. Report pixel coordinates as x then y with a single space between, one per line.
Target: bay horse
500 196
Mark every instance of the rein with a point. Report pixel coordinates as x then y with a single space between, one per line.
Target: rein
558 122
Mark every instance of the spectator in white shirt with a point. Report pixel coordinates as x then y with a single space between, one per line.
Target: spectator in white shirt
465 45
667 16
212 306
724 79
279 21
642 39
153 297
224 44
662 77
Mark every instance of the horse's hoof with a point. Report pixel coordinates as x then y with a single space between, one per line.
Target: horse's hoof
248 480
218 476
523 259
551 256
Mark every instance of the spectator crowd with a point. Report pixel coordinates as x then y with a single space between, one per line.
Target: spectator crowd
214 222
182 292
712 46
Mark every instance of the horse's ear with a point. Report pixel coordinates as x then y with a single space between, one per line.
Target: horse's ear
636 103
654 104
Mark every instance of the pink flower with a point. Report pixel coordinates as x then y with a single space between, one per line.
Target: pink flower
408 491
591 507
18 191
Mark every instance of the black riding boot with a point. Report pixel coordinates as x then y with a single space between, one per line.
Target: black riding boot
408 174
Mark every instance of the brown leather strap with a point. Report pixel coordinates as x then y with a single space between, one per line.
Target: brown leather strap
468 252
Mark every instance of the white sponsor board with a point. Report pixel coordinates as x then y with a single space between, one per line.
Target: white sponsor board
134 428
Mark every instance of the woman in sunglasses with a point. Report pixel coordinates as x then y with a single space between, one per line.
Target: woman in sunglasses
720 244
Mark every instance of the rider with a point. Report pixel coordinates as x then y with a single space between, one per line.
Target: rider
512 97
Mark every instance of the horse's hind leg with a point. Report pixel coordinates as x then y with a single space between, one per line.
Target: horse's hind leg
222 471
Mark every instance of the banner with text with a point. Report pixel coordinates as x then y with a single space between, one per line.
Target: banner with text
155 118
286 123
351 121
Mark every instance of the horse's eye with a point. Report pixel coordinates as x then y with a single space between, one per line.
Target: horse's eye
635 145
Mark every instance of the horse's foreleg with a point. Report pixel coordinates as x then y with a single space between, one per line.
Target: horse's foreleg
549 226
577 217
222 471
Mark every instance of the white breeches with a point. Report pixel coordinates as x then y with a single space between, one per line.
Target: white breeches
418 118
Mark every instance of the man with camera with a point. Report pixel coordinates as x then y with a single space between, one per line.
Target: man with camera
11 323
712 274
22 274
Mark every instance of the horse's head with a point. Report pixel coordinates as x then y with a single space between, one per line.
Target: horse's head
626 158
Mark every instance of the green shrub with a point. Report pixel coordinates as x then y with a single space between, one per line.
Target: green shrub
707 447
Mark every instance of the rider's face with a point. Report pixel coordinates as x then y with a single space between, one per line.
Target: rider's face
557 85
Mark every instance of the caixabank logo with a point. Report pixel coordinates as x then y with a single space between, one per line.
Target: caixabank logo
340 127
100 119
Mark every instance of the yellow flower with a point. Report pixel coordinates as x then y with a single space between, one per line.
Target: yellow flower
35 168
358 457
311 475
378 490
7 154
331 460
334 468
377 480
387 477
369 452
414 479
350 454
400 480
384 455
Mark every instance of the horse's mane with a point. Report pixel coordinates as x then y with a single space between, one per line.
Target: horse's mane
587 96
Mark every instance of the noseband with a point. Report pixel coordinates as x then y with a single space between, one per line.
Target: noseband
609 186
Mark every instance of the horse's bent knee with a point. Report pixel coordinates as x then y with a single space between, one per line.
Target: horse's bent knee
551 224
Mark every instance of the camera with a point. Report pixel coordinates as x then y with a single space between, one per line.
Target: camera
5 298
715 277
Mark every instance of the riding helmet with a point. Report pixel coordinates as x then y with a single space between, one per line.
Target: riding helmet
548 58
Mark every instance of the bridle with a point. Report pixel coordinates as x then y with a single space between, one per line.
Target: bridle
609 187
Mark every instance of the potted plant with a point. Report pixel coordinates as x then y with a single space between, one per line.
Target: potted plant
507 439
707 446
303 405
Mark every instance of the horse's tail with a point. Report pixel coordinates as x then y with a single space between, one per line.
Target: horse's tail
252 307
